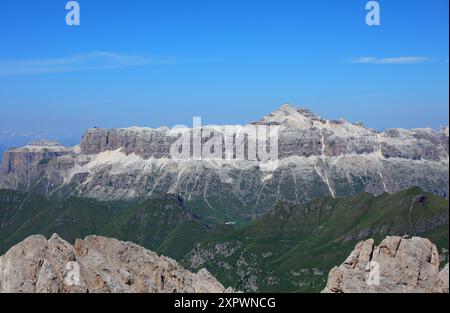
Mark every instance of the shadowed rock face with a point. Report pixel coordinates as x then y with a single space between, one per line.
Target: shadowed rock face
95 265
397 265
317 157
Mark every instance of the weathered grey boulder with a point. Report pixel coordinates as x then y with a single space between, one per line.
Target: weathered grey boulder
96 265
397 265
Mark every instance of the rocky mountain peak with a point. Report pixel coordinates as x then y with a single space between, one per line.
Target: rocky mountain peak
96 265
289 115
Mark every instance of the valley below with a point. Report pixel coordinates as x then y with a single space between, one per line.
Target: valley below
290 249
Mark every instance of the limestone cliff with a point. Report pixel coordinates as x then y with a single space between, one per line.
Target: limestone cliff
317 157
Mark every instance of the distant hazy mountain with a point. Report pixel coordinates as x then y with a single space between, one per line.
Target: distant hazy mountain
10 139
13 139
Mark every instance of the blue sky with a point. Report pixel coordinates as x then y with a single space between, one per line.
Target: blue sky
153 63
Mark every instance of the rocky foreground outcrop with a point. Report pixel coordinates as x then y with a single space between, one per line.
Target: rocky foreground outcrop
96 265
397 265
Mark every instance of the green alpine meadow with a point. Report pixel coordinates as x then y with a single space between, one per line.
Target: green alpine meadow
290 249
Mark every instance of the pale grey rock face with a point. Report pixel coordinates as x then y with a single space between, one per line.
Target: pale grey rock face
96 265
397 265
443 279
317 157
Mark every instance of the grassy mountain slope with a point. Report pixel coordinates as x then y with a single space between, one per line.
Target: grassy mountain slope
151 223
293 248
290 249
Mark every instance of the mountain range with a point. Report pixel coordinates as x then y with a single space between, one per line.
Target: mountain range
9 139
317 157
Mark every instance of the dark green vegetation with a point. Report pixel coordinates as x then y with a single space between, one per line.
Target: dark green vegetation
291 249
151 223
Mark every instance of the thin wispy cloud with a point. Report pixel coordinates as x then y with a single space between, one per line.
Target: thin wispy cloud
97 60
392 60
